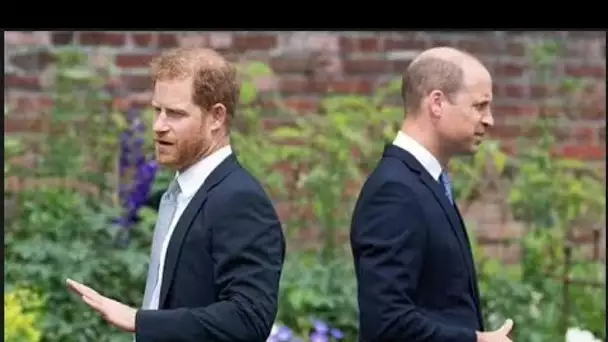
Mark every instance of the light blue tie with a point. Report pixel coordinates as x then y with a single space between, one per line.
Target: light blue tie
166 211
447 186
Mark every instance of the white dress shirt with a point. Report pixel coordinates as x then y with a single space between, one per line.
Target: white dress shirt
189 182
424 157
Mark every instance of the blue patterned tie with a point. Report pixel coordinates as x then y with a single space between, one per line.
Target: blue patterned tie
447 186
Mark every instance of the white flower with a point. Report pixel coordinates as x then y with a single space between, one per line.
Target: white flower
580 335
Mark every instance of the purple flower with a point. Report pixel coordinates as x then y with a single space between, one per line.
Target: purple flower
318 337
320 326
336 333
284 334
137 171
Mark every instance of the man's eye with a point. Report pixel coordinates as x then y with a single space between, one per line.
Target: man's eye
481 106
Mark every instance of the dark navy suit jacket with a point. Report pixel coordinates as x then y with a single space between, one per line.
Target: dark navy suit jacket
223 264
415 271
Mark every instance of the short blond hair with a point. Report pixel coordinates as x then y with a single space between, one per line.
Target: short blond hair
214 77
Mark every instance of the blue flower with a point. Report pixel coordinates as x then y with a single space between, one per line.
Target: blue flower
336 333
318 337
137 172
284 334
320 326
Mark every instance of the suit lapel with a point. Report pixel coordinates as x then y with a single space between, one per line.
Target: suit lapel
183 224
469 254
450 210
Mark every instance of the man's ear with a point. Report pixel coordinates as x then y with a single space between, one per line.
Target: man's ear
436 102
218 115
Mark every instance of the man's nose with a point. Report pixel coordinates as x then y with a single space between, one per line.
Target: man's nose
488 120
160 124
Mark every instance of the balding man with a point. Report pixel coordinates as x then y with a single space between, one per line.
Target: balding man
218 247
415 271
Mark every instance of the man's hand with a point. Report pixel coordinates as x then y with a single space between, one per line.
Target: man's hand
112 311
500 335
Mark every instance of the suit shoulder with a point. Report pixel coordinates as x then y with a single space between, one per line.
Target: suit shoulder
391 171
239 184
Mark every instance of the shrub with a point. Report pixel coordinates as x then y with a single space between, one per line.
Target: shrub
22 308
315 163
74 223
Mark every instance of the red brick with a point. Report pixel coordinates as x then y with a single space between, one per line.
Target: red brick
300 73
511 91
591 113
505 131
597 71
134 60
22 82
582 135
302 105
144 39
345 86
32 60
515 110
62 38
584 152
441 42
168 40
540 91
295 85
136 83
292 65
25 125
514 131
516 49
105 38
360 44
273 123
399 66
476 46
365 66
391 44
507 69
34 39
254 41
27 104
137 100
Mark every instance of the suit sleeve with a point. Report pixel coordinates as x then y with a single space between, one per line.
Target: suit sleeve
388 241
248 250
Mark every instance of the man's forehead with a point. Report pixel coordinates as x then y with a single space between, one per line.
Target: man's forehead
173 94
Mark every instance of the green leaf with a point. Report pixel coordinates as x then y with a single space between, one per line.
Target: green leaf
256 69
248 93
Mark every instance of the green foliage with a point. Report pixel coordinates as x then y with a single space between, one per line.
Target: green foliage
61 231
550 191
326 155
313 289
551 195
22 308
543 191
312 161
533 297
12 148
82 103
61 234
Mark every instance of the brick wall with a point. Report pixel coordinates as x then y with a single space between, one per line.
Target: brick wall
308 63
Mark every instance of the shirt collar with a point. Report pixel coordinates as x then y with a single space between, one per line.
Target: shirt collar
424 157
194 176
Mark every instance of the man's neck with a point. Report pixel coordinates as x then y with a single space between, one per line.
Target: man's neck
214 147
418 132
